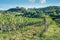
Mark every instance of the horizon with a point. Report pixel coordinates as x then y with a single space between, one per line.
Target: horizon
6 4
25 7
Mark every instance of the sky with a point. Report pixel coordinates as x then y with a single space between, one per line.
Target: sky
6 4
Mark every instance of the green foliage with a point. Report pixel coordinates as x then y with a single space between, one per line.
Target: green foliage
30 24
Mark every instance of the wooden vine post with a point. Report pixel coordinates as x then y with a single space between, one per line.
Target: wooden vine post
45 23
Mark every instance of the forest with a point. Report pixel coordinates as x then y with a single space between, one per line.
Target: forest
30 24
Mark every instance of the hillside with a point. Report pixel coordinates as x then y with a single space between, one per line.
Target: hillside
30 24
